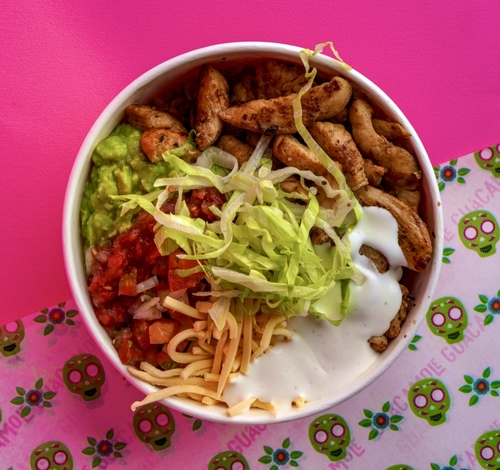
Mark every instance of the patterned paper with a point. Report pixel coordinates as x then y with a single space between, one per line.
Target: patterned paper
63 406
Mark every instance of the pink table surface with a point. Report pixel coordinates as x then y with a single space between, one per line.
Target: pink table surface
62 62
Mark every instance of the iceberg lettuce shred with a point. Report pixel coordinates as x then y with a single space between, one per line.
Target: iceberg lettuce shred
260 249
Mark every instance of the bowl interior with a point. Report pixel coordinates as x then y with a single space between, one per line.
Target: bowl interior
142 90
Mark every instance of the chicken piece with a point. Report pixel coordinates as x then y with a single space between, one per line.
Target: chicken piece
340 118
377 258
318 236
275 115
245 90
413 235
410 198
236 147
402 168
154 142
276 79
291 152
397 321
373 172
337 143
213 97
144 118
293 185
389 129
378 343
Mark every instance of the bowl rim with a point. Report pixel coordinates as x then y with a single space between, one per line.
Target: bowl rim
73 257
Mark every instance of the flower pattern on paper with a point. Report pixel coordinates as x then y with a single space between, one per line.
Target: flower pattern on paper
448 173
33 397
451 465
480 386
413 343
380 421
104 449
447 252
489 306
197 423
54 317
281 456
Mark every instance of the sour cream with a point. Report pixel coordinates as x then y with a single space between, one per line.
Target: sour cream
322 358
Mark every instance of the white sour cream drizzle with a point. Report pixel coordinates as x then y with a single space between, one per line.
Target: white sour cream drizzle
322 358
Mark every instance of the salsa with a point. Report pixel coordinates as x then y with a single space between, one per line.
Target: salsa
129 259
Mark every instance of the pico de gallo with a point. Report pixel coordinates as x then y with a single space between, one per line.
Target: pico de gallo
129 280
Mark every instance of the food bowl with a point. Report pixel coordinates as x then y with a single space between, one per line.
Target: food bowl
142 90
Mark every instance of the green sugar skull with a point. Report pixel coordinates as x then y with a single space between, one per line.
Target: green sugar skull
447 318
84 375
489 159
53 455
479 232
154 425
487 449
228 460
11 336
330 435
429 399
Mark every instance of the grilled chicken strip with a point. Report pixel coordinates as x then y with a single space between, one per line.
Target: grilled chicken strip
236 147
389 129
402 168
275 79
213 97
337 143
144 118
413 235
373 172
275 116
156 141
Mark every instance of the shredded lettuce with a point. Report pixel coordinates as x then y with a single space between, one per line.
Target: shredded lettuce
260 248
259 252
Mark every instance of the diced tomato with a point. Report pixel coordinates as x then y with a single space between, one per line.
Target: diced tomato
162 331
140 331
130 353
128 283
201 200
161 266
177 282
152 355
184 320
112 317
165 361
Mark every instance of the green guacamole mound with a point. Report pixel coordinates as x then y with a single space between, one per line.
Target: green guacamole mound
119 167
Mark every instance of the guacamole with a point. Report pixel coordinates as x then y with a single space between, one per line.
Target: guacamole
119 167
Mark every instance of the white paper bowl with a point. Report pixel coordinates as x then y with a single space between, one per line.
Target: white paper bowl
146 87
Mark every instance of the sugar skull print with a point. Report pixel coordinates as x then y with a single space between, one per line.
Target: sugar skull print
330 435
489 159
479 232
487 450
53 455
228 460
448 319
154 425
83 375
11 336
429 399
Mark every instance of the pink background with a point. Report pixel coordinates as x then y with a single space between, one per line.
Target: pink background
62 62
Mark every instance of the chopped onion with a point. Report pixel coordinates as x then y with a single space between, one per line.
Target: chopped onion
147 284
147 310
151 313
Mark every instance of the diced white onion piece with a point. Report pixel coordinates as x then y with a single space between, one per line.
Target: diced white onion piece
151 313
147 284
